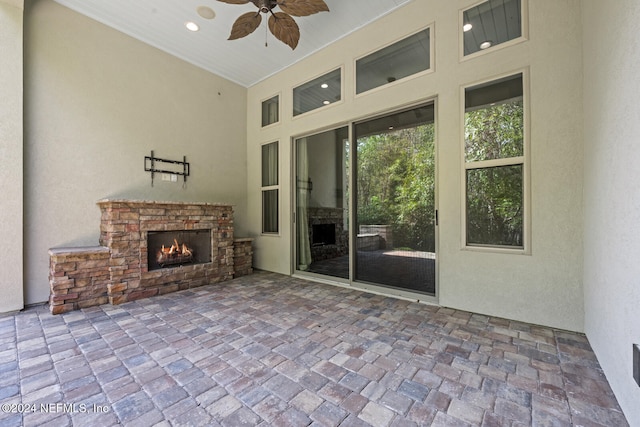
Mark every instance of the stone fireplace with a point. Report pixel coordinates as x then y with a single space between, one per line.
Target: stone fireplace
127 266
125 229
327 234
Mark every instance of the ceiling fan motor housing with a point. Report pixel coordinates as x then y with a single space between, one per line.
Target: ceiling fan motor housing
267 5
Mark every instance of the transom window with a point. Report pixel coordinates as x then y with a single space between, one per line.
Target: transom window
318 93
490 24
397 61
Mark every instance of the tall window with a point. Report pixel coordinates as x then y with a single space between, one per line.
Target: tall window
495 164
270 188
271 111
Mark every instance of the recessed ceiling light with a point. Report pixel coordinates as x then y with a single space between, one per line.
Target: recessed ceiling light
467 27
485 45
191 26
206 12
326 102
324 85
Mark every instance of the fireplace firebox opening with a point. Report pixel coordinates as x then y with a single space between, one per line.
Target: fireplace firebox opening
168 249
323 234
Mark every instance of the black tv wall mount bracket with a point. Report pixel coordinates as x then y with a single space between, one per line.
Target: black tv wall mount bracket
155 165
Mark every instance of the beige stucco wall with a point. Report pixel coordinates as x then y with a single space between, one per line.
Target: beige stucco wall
11 135
544 287
97 102
612 194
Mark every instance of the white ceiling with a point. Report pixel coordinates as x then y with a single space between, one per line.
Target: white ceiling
161 23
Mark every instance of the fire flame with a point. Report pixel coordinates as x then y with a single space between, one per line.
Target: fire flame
174 252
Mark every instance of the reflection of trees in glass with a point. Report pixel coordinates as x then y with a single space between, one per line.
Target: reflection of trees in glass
494 206
494 132
495 194
396 184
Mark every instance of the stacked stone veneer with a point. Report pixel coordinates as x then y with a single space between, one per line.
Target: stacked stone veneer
242 257
78 278
117 271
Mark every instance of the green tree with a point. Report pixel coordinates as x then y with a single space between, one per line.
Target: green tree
396 184
495 194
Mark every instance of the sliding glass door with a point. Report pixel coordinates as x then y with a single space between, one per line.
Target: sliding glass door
389 239
395 200
322 203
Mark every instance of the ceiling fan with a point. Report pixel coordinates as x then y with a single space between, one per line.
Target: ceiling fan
281 24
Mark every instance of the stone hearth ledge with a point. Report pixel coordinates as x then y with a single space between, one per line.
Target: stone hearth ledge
159 202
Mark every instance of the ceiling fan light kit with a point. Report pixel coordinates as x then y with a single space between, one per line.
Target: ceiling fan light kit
281 24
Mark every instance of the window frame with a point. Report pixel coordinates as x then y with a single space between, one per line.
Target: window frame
267 188
279 110
295 116
524 36
523 160
431 69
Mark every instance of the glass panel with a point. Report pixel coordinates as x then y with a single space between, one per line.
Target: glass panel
322 203
490 24
495 206
270 111
317 93
270 211
270 164
401 59
395 193
495 132
494 121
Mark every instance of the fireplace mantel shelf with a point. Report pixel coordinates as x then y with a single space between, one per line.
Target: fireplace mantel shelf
158 202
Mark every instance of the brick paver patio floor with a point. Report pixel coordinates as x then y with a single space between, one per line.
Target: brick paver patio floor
273 350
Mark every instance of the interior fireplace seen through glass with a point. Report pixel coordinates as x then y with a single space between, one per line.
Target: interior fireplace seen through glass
174 248
323 234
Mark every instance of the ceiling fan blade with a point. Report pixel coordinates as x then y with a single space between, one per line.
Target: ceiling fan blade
303 7
285 29
235 1
245 25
